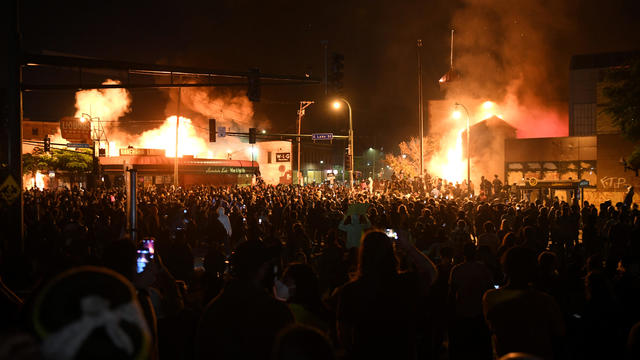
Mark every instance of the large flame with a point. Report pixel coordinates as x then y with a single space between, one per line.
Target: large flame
164 137
109 105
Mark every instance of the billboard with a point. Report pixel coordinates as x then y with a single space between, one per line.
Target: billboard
74 130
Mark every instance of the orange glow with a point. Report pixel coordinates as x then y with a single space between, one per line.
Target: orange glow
487 105
456 114
38 180
164 137
337 104
448 164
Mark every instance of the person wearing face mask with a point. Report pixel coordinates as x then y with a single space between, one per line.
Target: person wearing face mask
299 288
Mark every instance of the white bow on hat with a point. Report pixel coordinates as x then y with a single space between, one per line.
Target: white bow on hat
65 343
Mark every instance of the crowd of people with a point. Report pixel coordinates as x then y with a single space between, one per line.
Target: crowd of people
320 272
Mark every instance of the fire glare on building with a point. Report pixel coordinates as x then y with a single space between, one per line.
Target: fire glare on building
270 159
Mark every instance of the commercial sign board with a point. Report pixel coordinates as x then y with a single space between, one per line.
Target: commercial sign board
283 157
141 152
74 130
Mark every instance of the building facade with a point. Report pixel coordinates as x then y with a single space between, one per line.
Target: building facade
587 78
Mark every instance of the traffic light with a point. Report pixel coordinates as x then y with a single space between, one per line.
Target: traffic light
252 135
212 130
47 144
253 92
337 73
347 162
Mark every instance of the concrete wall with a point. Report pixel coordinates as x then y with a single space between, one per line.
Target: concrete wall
272 170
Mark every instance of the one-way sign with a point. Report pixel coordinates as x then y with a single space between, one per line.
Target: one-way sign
322 136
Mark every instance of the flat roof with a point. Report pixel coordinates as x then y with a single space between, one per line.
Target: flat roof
602 60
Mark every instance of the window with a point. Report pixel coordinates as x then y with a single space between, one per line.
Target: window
269 157
34 131
584 119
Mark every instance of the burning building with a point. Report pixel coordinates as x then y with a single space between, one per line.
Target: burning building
272 160
152 146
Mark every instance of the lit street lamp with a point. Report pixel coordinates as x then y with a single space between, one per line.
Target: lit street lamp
336 105
457 115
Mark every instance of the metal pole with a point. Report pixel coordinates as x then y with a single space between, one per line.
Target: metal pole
301 112
299 173
420 107
132 203
175 161
350 142
468 154
11 204
325 80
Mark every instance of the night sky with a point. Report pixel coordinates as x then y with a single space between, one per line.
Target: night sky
377 39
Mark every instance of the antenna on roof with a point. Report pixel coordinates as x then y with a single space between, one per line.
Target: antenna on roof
452 31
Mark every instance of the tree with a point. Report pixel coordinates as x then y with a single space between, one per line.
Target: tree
623 105
408 162
75 162
36 161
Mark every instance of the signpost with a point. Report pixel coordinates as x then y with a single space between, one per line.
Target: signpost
322 136
222 131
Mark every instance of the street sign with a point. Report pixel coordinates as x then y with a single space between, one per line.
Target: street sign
222 131
78 145
322 136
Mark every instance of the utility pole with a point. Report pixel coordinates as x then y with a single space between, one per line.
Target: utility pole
175 161
301 111
325 80
11 202
420 105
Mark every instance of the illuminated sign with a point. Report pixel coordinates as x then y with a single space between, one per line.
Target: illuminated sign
283 157
226 170
74 130
141 152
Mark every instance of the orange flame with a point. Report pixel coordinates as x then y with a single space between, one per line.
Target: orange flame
164 137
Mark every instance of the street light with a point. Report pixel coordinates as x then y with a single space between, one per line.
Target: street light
456 115
336 105
374 153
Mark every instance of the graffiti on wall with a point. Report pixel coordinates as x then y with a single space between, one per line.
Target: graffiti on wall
612 182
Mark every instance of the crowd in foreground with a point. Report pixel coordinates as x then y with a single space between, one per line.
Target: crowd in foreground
320 272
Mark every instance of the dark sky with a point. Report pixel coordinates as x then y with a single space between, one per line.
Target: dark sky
377 39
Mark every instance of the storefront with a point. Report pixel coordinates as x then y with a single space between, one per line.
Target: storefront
159 170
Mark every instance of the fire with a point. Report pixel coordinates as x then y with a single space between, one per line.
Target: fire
448 163
38 181
106 104
164 137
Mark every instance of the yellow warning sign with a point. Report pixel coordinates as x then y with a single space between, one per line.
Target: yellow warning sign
9 190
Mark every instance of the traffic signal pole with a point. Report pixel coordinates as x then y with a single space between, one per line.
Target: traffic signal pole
301 111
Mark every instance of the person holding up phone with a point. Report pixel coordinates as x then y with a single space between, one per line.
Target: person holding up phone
377 312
